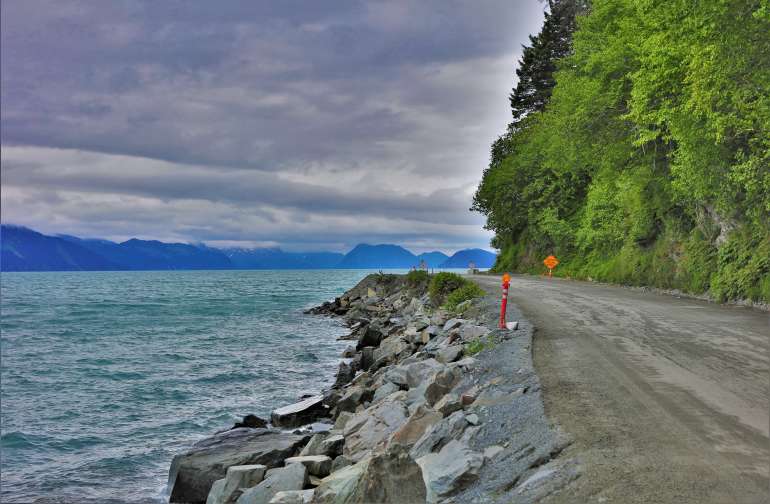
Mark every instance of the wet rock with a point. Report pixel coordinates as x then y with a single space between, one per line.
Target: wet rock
227 489
293 497
301 413
291 477
449 470
317 465
372 427
449 354
193 472
349 352
252 422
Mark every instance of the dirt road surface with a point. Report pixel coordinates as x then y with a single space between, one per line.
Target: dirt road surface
667 399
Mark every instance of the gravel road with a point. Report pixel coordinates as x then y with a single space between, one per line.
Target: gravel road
667 399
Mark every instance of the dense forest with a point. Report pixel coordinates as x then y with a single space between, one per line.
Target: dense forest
639 151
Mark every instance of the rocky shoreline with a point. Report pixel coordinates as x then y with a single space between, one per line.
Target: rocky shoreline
427 406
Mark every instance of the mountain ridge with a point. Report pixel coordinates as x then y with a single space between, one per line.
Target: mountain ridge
24 249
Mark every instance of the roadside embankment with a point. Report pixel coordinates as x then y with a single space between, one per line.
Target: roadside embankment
428 406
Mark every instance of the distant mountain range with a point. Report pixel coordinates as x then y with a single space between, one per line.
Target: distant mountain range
26 250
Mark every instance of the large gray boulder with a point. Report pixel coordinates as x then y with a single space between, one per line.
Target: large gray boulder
371 336
384 391
415 426
449 354
439 384
324 443
354 395
449 470
396 375
291 477
301 413
392 477
452 324
194 472
439 434
470 332
390 348
372 427
345 375
293 497
313 447
227 489
332 445
418 372
317 465
341 487
448 404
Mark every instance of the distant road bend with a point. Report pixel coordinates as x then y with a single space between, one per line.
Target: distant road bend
667 399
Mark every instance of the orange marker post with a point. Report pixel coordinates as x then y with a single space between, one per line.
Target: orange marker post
504 303
550 263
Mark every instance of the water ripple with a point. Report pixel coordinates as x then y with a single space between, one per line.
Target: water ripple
105 375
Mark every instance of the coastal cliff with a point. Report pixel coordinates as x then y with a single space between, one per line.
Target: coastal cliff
428 406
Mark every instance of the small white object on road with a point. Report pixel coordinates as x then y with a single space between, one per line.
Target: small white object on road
512 326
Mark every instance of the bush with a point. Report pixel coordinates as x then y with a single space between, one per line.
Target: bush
442 284
468 291
415 278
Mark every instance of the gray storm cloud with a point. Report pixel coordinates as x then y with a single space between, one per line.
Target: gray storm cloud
238 121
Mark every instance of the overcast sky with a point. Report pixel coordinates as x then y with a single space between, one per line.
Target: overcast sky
309 125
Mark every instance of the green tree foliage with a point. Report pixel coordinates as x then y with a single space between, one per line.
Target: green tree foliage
648 161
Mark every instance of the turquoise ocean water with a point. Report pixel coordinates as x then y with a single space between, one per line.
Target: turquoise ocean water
105 375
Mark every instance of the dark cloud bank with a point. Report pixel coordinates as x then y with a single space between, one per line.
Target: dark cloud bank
311 125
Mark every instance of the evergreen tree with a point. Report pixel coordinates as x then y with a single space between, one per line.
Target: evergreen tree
538 62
